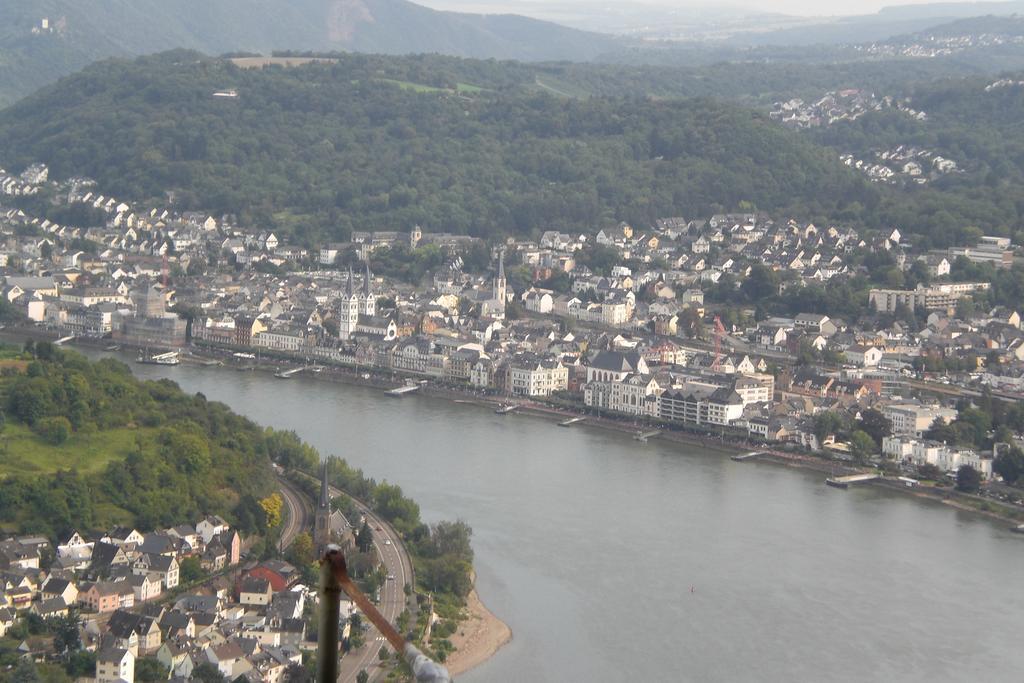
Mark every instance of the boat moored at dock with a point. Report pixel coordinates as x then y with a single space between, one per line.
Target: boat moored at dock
746 456
168 358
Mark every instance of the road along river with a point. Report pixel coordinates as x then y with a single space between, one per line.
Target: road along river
613 560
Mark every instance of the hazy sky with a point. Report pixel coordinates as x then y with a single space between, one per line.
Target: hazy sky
797 7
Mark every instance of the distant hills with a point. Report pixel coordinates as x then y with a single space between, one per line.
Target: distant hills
42 40
488 148
885 24
372 142
78 32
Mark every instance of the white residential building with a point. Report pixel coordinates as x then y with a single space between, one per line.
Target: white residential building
533 376
915 419
115 665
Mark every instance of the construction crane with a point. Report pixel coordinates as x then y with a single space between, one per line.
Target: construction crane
719 333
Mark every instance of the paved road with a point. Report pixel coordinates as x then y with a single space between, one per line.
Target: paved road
389 547
395 559
299 515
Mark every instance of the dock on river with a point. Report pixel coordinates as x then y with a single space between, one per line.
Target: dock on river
844 482
401 391
745 456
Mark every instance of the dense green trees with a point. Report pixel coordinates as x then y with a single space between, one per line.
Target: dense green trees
54 430
447 558
204 459
149 670
979 130
325 149
207 673
968 479
862 446
876 425
190 570
364 538
1009 465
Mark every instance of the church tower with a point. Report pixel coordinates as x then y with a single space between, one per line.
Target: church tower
499 284
348 309
322 522
369 300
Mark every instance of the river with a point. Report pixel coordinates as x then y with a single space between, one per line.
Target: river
613 560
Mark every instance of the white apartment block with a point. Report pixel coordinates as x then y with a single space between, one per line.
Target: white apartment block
933 298
540 377
915 419
946 458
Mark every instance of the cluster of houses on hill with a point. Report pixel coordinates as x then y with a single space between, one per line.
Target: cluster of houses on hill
249 622
117 570
836 106
933 46
903 163
25 184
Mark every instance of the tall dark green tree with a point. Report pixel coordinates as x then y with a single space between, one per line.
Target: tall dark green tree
968 479
877 425
1009 465
364 539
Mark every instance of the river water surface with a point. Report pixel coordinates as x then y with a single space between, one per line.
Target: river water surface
613 560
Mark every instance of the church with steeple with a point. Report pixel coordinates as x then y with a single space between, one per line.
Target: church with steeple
330 526
495 306
322 521
354 303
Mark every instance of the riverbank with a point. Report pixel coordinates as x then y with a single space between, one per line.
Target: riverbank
479 636
377 379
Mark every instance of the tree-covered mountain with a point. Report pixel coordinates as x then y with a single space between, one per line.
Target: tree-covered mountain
78 32
323 149
883 25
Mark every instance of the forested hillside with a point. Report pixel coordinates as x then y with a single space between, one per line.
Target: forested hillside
324 149
163 457
978 125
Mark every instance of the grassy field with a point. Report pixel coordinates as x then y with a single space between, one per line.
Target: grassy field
409 85
22 452
260 62
464 88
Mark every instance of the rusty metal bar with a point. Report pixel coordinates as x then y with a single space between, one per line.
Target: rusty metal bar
334 578
328 636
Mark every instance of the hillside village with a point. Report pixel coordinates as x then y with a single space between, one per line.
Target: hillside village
931 47
122 591
632 334
172 602
836 107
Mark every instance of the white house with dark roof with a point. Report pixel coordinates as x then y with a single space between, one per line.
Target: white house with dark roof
210 526
115 665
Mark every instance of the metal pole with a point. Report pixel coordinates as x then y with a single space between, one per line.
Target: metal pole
330 617
423 668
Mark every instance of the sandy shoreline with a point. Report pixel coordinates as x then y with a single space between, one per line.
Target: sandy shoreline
479 636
